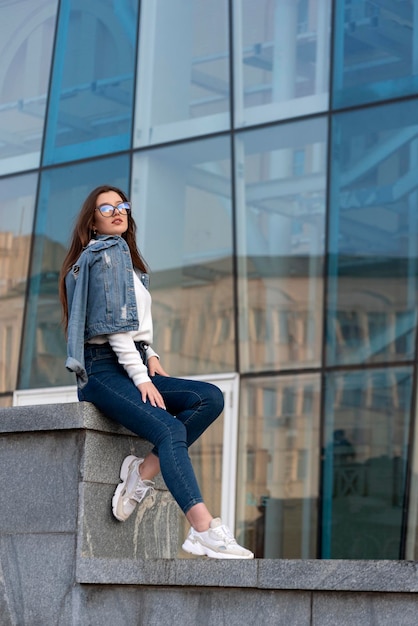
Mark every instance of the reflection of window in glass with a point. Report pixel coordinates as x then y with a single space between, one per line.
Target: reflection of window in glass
183 72
288 401
375 51
351 396
269 402
401 390
378 327
281 58
183 197
349 327
308 398
280 226
26 36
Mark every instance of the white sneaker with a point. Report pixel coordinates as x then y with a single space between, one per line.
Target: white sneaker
218 543
132 490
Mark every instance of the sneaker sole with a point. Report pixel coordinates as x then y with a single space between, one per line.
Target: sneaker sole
200 550
119 489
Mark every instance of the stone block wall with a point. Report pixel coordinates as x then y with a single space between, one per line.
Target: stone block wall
59 465
64 559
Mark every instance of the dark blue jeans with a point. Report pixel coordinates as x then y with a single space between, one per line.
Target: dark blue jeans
194 404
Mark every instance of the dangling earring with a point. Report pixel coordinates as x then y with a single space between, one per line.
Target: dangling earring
94 230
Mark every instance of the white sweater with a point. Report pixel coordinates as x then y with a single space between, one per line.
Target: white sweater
123 343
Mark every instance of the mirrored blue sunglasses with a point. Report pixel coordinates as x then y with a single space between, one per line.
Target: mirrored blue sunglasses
108 210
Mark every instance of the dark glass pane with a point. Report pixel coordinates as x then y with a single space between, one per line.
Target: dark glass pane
183 195
183 70
372 289
17 206
365 454
375 51
281 54
278 466
90 108
280 230
62 193
27 32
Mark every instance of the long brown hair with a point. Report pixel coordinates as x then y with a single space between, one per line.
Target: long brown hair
83 232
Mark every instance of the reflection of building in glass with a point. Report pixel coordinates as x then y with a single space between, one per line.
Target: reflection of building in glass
277 208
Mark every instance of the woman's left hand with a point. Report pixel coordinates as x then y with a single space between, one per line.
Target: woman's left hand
155 367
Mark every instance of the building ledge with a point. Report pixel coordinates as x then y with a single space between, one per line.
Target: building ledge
63 555
307 575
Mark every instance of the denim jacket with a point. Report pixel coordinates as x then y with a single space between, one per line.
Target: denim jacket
101 297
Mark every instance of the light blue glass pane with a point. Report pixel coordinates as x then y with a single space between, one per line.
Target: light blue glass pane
26 37
365 454
281 189
90 108
17 205
61 195
375 51
372 287
281 62
182 204
183 70
278 466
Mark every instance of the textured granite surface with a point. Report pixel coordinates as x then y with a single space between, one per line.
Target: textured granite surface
167 607
56 417
377 576
64 559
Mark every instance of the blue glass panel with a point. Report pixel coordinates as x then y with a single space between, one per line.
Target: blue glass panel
26 35
62 193
281 59
183 70
372 294
365 453
376 51
17 206
182 194
90 107
281 189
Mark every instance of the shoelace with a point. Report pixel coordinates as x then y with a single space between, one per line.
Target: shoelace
225 534
142 489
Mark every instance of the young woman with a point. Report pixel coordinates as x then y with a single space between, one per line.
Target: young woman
107 315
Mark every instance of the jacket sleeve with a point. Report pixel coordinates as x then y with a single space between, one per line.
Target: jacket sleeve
77 282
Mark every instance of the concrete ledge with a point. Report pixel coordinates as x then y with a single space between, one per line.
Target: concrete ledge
309 575
73 415
64 559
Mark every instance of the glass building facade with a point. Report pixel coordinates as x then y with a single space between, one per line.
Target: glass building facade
270 150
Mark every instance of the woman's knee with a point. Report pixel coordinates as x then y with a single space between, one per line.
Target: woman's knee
175 432
215 398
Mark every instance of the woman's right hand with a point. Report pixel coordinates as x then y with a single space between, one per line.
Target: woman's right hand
149 391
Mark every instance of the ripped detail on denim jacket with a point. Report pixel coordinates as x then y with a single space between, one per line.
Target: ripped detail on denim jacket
107 259
75 270
123 312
